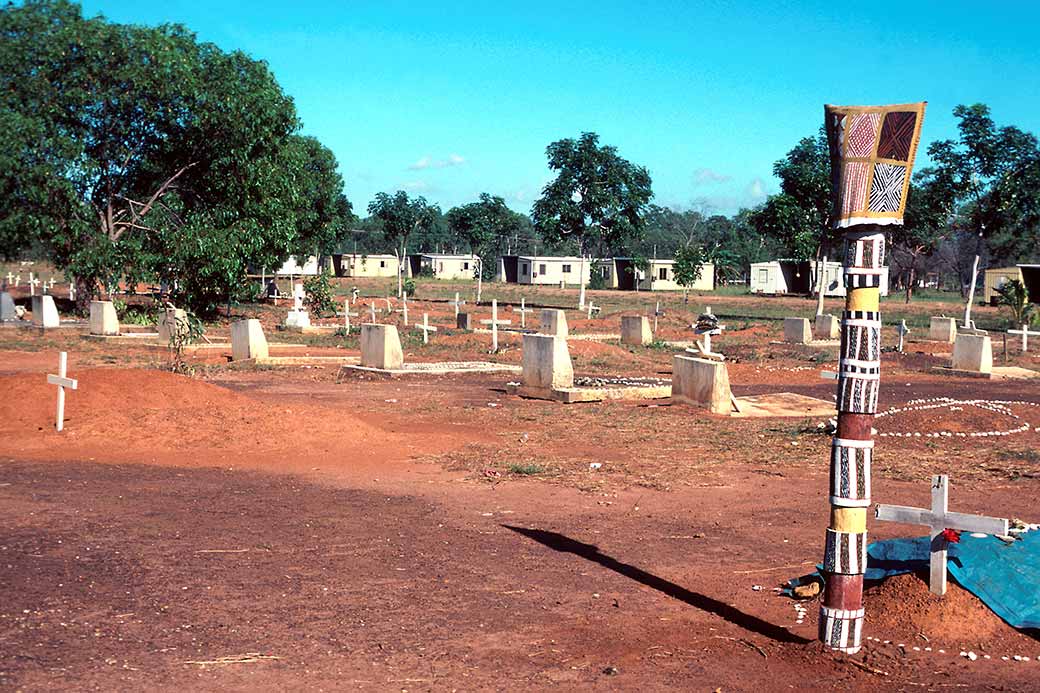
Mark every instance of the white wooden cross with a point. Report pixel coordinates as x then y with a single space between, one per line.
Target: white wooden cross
10 279
592 309
657 313
1026 333
347 314
372 308
903 331
389 308
52 282
62 382
404 308
297 297
457 303
495 322
938 519
523 310
17 279
354 293
72 288
426 328
33 283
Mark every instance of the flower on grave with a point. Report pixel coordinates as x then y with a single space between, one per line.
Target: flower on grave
951 535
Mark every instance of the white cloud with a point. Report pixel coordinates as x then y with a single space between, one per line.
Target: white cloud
706 176
756 190
429 162
421 164
419 186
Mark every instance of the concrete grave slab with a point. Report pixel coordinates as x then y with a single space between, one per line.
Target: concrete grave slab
381 347
973 353
701 383
7 308
635 330
44 312
171 320
464 321
248 340
797 331
826 327
554 322
103 318
942 330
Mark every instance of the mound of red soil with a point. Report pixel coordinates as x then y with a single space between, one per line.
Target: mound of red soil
903 608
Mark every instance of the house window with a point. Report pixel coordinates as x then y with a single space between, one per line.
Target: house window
541 269
523 270
382 263
465 265
440 269
763 276
662 273
566 269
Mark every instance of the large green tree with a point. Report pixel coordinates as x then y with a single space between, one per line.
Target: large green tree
992 173
798 217
924 228
485 226
401 218
139 153
597 198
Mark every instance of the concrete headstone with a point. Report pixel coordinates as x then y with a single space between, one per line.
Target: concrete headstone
103 318
973 353
464 321
635 330
381 347
797 331
248 340
7 309
172 321
546 362
826 327
702 383
942 330
554 322
44 312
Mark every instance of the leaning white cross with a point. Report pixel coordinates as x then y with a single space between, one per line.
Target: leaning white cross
495 322
938 519
457 303
523 310
62 382
17 280
33 283
592 309
426 328
1026 333
903 331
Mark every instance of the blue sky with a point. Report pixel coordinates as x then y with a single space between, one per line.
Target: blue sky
449 100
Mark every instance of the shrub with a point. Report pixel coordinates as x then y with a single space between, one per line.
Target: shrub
317 292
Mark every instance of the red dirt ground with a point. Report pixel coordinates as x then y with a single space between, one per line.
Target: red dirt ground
377 535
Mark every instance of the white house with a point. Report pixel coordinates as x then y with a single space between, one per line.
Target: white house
799 277
361 265
552 271
443 266
310 265
622 273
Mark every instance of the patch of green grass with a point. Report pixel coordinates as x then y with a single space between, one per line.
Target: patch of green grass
526 469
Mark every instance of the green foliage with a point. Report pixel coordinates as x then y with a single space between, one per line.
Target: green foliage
135 314
1014 296
596 199
798 217
184 332
689 263
138 152
992 177
409 286
317 294
484 227
402 217
526 469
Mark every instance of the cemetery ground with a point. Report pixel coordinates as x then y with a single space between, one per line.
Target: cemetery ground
250 527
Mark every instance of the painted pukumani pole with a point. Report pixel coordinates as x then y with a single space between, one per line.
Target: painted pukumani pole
872 156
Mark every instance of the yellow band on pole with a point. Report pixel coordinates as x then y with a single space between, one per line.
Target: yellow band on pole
848 519
863 299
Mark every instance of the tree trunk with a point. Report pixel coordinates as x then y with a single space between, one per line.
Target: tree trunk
821 272
910 282
581 278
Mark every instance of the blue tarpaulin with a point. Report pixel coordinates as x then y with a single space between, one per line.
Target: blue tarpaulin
1006 577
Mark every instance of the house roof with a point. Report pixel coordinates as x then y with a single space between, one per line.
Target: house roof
556 258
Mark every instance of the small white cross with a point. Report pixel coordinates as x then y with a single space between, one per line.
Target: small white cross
372 308
347 314
72 288
523 310
657 313
354 293
17 279
62 382
10 279
33 283
1025 332
404 308
297 296
592 309
52 282
426 328
902 330
937 519
458 303
495 322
